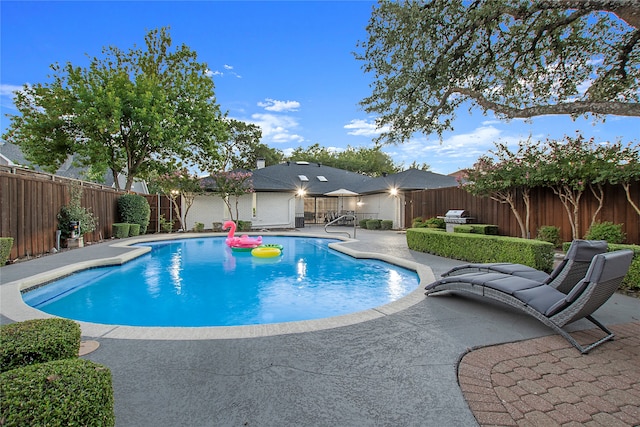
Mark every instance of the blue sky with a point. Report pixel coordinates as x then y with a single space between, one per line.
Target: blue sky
286 66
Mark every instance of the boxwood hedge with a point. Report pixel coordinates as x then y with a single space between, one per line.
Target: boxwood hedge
482 248
70 392
37 341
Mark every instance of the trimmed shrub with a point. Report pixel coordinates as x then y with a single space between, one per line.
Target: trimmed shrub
134 230
244 225
417 222
487 229
363 223
551 234
606 230
198 227
5 249
120 230
462 228
36 341
482 248
374 224
72 392
436 223
386 224
134 209
217 226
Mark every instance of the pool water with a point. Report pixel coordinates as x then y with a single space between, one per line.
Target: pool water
202 282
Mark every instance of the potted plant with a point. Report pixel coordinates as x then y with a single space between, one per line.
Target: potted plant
74 221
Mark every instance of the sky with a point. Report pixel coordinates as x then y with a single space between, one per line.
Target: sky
287 66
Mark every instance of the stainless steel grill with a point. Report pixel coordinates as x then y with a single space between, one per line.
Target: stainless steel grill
454 217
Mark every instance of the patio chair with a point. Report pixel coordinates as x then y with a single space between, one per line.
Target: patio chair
572 268
550 306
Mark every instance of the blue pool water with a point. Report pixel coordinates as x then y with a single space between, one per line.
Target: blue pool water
201 282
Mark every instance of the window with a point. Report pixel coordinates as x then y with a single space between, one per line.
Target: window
321 178
303 178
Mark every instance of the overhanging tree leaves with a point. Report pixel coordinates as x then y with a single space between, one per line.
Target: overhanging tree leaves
519 59
131 112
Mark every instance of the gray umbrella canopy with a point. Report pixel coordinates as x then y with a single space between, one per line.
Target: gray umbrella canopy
341 192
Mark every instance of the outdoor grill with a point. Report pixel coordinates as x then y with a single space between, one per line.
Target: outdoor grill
454 217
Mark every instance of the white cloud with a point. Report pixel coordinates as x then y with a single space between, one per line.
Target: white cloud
277 128
454 152
359 127
279 106
7 90
229 71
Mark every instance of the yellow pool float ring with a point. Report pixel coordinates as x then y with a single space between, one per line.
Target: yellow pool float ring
266 252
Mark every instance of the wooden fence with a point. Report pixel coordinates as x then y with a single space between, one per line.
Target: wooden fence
30 202
546 209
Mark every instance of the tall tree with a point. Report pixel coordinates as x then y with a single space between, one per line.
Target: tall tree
129 112
242 148
367 161
517 58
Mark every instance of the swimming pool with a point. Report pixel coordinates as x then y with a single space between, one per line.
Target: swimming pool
201 282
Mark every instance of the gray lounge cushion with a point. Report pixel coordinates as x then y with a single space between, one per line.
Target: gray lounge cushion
543 299
499 281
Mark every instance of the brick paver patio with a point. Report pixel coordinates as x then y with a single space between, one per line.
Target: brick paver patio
547 382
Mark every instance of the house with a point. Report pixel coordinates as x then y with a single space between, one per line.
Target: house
292 194
11 155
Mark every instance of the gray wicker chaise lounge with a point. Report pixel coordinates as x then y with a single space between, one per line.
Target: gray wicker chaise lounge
550 306
563 278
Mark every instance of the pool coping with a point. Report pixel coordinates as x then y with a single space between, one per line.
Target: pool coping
16 309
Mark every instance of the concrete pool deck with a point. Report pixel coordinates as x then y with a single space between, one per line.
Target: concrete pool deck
397 367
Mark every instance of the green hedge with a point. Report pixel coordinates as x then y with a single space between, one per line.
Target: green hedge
488 229
121 230
363 223
5 249
71 392
134 230
386 224
244 225
37 341
632 279
374 224
134 209
482 248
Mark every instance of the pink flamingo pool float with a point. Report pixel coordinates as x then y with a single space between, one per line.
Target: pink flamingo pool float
243 241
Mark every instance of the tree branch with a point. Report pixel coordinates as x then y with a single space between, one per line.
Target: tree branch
572 108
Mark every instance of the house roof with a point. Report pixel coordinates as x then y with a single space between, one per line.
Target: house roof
317 180
410 179
67 169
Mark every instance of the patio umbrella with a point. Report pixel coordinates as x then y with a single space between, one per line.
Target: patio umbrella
341 192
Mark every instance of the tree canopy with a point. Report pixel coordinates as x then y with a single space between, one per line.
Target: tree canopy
242 147
570 167
517 58
131 112
367 161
